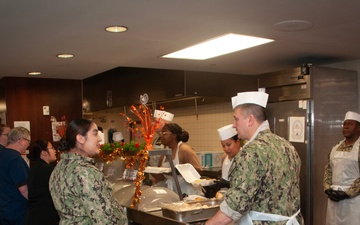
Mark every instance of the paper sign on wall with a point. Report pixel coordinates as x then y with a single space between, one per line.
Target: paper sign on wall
25 124
297 129
56 127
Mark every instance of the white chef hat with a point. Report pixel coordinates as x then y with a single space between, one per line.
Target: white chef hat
160 114
118 136
352 116
250 97
226 132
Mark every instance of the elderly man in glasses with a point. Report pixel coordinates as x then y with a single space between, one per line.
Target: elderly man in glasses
14 173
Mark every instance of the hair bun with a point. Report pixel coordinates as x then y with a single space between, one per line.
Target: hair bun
63 145
184 136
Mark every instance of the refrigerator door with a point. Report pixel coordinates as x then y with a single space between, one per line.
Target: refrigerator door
290 120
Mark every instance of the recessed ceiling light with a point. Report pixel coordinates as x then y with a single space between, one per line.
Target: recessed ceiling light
34 73
218 46
293 25
116 29
65 55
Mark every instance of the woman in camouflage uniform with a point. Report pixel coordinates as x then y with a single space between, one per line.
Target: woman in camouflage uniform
79 190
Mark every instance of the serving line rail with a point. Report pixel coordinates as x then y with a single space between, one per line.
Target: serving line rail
137 217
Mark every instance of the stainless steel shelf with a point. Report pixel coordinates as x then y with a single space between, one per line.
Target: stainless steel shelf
168 154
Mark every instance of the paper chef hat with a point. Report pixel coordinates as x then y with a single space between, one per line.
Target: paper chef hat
352 116
118 136
163 115
250 97
226 132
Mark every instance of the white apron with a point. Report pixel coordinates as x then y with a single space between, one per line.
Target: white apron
345 170
253 215
225 168
185 187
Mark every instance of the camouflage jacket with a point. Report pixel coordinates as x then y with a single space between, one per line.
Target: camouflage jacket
264 177
81 194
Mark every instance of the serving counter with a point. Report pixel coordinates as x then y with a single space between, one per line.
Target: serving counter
153 216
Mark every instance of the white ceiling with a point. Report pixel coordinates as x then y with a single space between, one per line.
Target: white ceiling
34 32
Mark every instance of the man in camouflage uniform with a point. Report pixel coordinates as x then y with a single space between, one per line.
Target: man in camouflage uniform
264 176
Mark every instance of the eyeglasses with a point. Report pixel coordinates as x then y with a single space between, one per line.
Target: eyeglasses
5 134
165 133
27 140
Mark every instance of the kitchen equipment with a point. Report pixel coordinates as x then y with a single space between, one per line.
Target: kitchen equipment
168 154
121 183
115 169
202 210
124 195
308 111
150 199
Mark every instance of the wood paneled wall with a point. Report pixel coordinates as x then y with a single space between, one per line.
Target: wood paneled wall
25 98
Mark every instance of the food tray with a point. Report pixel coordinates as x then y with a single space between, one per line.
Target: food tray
151 169
203 182
200 214
188 172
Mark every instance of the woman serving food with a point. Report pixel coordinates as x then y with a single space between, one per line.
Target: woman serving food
174 137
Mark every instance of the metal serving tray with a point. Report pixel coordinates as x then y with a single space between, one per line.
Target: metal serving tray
193 215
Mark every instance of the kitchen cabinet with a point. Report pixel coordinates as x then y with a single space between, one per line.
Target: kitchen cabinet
127 84
218 84
122 86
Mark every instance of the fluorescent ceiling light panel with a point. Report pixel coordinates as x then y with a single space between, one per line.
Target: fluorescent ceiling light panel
218 46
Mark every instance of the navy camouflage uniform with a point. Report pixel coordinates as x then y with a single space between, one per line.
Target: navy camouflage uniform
81 194
264 177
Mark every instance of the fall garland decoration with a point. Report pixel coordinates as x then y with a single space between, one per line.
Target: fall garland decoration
109 151
128 151
147 129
